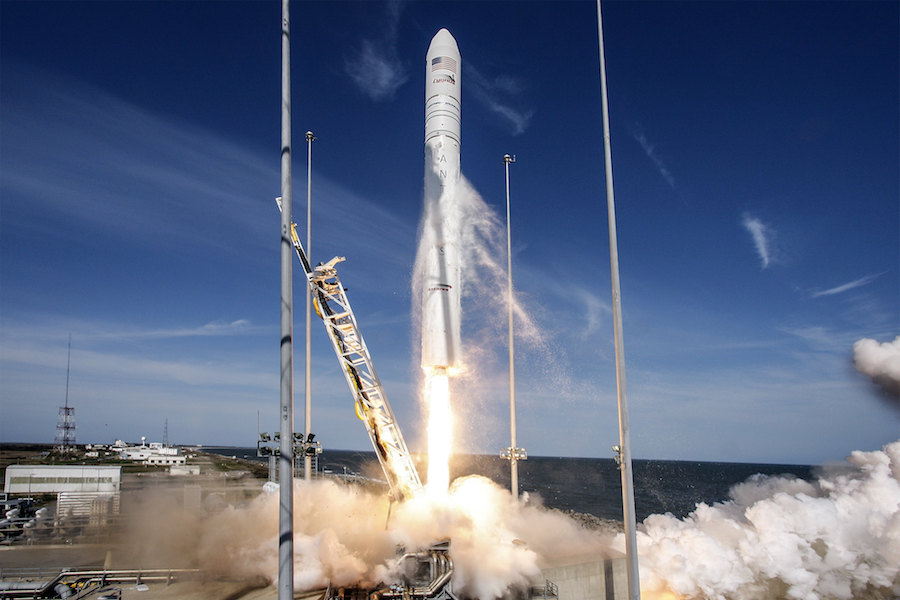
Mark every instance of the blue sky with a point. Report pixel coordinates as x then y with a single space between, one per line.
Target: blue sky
755 155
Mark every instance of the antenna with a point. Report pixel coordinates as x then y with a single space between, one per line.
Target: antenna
68 365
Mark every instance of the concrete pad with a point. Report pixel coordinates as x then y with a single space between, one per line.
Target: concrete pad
590 578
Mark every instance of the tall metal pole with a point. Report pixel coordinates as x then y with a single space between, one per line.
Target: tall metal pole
307 459
624 448
286 457
513 457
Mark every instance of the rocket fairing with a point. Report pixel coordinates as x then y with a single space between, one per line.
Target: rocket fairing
442 91
441 285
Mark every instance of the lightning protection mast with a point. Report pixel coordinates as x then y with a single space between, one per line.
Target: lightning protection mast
623 450
286 457
307 457
513 454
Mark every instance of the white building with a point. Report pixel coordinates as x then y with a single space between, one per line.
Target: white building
53 479
164 459
86 490
153 453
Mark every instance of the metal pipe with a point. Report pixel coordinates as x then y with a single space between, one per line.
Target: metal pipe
634 589
307 459
286 470
440 571
31 589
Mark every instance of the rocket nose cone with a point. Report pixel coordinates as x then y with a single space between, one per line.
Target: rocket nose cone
443 39
443 36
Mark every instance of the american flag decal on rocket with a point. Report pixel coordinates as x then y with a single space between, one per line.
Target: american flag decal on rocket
443 62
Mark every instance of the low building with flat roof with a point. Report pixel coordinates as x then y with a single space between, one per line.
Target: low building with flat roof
81 490
55 479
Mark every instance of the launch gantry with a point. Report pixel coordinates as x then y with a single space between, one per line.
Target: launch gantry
372 406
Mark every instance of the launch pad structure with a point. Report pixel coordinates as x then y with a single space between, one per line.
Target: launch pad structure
428 573
428 577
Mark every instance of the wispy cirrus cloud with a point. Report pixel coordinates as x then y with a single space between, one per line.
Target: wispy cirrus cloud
118 168
213 329
817 336
762 237
846 287
112 349
596 311
115 364
375 68
650 150
105 334
500 95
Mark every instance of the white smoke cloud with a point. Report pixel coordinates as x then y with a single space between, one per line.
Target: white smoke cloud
835 538
881 362
762 238
340 537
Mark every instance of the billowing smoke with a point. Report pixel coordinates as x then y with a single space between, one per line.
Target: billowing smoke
881 362
834 538
335 536
344 536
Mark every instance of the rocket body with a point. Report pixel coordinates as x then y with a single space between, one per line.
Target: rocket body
441 314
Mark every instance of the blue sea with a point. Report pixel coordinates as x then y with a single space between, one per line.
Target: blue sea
584 485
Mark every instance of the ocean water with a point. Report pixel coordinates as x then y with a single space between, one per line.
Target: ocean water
585 485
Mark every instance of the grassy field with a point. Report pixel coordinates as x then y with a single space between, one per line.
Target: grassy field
43 454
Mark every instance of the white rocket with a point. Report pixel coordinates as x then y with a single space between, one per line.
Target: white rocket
442 221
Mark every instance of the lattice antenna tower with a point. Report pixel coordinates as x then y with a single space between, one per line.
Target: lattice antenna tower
65 423
166 433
